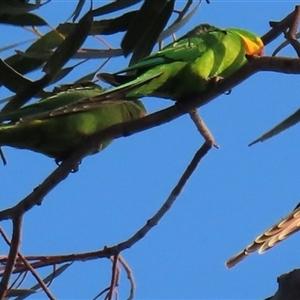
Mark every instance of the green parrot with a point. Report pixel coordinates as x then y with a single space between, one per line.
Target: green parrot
285 124
56 125
38 128
185 67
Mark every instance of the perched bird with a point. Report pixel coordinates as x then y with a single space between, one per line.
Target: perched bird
271 237
185 67
285 124
56 125
51 128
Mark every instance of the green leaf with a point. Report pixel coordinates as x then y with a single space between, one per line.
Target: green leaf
106 26
150 36
112 7
24 64
57 60
83 53
154 14
26 19
69 46
15 7
178 23
49 41
28 91
46 280
111 26
19 292
14 45
77 10
87 77
11 79
64 72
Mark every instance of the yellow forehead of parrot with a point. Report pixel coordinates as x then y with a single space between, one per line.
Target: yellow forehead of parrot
253 47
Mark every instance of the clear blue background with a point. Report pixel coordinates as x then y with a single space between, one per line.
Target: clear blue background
235 194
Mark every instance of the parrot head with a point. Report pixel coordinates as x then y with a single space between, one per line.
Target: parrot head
253 44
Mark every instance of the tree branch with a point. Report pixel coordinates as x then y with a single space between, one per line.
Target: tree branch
111 251
288 286
274 64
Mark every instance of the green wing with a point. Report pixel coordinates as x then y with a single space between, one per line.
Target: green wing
186 49
285 124
61 97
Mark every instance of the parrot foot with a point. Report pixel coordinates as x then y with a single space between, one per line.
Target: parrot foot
203 129
213 80
212 83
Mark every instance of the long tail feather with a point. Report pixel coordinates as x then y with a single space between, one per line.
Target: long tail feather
114 94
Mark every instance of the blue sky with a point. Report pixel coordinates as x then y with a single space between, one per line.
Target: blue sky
235 194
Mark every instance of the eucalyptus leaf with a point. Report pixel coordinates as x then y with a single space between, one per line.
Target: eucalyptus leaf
113 7
47 279
24 19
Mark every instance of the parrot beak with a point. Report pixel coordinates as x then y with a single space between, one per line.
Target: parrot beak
253 48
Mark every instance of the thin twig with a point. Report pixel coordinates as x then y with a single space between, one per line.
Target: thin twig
22 279
182 12
129 276
28 267
110 251
103 41
37 277
295 22
23 275
202 128
278 28
290 35
13 252
168 203
114 276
